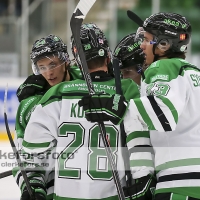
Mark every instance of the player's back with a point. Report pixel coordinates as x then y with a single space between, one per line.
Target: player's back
82 169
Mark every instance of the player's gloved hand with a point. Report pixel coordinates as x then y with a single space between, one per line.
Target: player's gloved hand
104 107
33 85
38 188
143 189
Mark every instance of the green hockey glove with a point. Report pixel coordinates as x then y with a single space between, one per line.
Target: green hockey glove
38 188
104 107
143 189
34 84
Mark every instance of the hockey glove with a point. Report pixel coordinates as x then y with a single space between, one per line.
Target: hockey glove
38 188
34 84
143 189
104 107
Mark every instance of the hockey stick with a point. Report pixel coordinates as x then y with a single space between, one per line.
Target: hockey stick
123 133
28 186
75 23
5 174
135 18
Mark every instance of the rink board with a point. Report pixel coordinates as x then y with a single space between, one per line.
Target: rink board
11 104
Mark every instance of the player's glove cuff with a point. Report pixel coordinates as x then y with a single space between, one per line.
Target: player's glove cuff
38 188
143 189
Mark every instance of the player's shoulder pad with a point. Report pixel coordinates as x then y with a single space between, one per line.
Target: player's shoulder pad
163 70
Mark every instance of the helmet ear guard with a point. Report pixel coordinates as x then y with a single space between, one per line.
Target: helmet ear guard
164 44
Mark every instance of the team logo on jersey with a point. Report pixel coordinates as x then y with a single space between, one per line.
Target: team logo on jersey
157 89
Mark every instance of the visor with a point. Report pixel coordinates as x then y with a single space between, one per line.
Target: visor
37 70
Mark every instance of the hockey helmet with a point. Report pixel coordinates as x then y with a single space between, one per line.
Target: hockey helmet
169 29
128 52
44 47
93 41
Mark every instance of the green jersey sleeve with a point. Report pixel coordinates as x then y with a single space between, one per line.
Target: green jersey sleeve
130 89
24 111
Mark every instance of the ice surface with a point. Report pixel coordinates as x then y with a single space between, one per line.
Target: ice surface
8 187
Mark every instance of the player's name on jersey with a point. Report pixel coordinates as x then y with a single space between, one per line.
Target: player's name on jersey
76 111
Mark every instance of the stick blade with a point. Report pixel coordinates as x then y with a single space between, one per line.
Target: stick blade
80 13
135 18
84 6
75 22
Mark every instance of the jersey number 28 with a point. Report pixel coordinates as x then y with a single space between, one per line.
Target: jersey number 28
96 151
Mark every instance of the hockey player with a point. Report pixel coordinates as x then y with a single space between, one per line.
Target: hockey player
131 58
36 84
131 63
58 127
50 53
168 107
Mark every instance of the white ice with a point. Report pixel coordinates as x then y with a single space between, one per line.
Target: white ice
8 187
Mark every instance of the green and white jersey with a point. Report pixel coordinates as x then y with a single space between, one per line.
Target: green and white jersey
169 106
58 126
24 112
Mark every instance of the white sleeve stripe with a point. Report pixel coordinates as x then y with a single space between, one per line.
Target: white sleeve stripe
142 156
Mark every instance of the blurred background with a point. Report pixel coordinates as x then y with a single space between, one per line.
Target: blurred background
24 21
